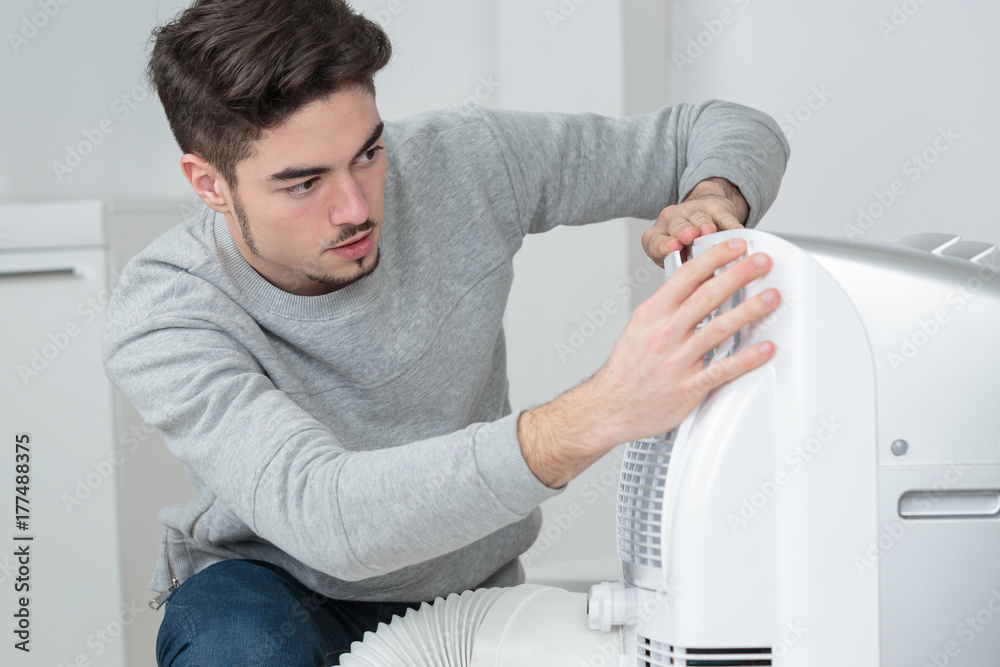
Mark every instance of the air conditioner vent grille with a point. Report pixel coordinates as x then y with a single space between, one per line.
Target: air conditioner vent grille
657 654
640 499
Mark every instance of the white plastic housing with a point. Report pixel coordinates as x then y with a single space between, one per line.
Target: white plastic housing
772 480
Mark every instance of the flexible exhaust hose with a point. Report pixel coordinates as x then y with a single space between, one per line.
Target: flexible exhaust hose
523 626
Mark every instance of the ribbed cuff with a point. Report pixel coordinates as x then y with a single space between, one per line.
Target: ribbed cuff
504 470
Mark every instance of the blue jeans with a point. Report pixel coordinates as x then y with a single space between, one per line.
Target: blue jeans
249 613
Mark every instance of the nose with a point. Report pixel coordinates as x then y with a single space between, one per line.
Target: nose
348 205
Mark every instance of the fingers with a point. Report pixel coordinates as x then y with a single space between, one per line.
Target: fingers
722 371
698 221
690 276
721 327
657 245
713 291
688 221
679 225
727 222
696 217
694 272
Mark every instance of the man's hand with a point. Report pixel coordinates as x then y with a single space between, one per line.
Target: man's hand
713 205
656 373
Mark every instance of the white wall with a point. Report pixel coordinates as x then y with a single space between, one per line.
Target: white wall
893 74
69 76
608 58
67 80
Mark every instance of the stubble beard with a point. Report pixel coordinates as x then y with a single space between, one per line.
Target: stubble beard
333 282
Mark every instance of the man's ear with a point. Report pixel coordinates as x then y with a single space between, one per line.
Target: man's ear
206 181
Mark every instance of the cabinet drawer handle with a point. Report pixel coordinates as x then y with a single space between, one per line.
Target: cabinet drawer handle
68 272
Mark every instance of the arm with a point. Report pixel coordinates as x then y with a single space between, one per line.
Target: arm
727 160
575 169
290 478
655 375
716 203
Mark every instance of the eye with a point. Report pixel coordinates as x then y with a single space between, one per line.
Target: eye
369 155
303 187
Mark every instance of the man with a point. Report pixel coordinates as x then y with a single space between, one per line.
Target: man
322 346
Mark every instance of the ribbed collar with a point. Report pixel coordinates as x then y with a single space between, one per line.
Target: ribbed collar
326 306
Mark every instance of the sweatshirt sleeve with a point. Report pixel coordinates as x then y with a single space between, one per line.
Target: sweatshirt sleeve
349 514
571 169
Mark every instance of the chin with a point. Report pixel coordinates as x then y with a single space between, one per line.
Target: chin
369 262
363 267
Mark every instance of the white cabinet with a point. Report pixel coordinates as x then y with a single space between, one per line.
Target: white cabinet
53 290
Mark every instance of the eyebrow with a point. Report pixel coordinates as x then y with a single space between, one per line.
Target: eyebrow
294 173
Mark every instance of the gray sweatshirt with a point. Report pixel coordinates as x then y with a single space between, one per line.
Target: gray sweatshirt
363 440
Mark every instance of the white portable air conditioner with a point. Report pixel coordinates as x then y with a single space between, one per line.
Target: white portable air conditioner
839 505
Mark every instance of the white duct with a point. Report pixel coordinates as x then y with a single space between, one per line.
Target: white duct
491 627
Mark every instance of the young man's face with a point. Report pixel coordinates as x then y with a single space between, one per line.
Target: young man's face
307 211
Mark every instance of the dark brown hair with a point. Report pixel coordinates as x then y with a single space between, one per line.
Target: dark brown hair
226 70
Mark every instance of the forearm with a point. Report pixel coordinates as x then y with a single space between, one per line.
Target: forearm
578 169
561 438
363 514
740 145
656 373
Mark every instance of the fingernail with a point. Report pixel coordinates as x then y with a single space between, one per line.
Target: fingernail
760 259
767 347
770 297
735 244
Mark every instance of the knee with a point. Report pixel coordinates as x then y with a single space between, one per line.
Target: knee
226 583
234 606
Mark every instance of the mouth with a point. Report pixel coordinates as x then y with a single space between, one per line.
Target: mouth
355 248
353 240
